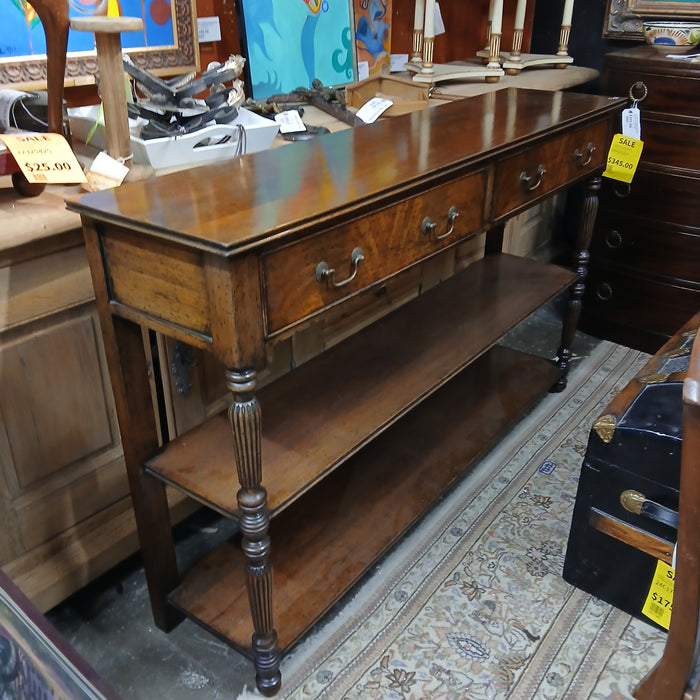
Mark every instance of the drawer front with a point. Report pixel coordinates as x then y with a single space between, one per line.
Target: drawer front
657 196
390 240
621 297
670 94
528 176
647 246
671 141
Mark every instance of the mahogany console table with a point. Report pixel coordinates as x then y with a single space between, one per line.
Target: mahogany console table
330 464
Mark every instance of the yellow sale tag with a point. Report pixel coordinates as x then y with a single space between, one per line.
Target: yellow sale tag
44 158
659 602
623 158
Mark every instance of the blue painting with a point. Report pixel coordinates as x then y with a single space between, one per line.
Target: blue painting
289 43
23 34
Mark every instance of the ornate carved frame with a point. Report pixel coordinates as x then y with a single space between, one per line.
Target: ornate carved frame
623 19
183 56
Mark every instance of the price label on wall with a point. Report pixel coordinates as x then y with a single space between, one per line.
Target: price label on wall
44 158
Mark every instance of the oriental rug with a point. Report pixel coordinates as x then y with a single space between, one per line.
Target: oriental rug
472 605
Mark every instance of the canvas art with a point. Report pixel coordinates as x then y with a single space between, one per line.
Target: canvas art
373 34
23 34
289 43
167 45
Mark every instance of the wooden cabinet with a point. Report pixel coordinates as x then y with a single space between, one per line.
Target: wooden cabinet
644 278
325 467
64 497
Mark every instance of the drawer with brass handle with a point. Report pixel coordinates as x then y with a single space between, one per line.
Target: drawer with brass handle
523 179
302 278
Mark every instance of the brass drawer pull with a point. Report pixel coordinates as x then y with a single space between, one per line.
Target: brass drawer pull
638 91
428 227
526 181
622 189
613 239
604 291
579 156
327 274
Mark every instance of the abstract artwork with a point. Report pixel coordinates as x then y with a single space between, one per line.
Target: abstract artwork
289 43
23 34
373 34
167 44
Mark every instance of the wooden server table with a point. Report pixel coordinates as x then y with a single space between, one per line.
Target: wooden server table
331 463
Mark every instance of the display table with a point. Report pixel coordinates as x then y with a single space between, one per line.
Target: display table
345 452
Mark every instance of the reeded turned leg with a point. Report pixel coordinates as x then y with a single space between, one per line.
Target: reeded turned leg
573 311
245 419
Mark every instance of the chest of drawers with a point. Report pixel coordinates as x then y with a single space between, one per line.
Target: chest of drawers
328 465
644 278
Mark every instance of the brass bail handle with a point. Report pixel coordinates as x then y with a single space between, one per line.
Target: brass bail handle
428 226
325 273
638 91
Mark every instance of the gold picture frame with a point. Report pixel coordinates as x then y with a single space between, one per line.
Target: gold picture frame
624 18
29 72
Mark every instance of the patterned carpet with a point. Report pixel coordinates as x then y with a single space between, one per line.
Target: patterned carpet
472 604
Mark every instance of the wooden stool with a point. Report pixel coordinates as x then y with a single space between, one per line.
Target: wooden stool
107 32
54 19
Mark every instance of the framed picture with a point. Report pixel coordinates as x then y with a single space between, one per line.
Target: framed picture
289 43
373 35
36 660
167 45
623 18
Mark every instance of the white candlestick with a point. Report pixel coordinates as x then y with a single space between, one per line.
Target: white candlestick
496 17
520 15
429 30
419 15
568 13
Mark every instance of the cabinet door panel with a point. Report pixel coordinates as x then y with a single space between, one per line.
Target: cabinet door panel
54 402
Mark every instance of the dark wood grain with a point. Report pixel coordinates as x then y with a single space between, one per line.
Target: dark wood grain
644 280
363 384
278 192
223 256
361 510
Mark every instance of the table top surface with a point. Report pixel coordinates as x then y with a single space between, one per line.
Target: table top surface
235 205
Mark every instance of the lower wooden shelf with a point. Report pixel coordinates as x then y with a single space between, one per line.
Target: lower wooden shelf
326 540
319 415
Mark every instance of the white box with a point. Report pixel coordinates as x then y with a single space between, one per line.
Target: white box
207 145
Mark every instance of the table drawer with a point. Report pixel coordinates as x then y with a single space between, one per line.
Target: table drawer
320 270
534 173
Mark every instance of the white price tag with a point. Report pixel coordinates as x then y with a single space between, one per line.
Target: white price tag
631 122
289 121
372 109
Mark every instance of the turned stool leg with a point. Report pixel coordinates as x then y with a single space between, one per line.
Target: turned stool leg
54 18
107 32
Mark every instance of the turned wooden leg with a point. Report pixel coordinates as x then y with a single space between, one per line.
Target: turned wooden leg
244 415
54 18
581 257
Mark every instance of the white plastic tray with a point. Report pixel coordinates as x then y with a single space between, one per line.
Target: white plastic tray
207 145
